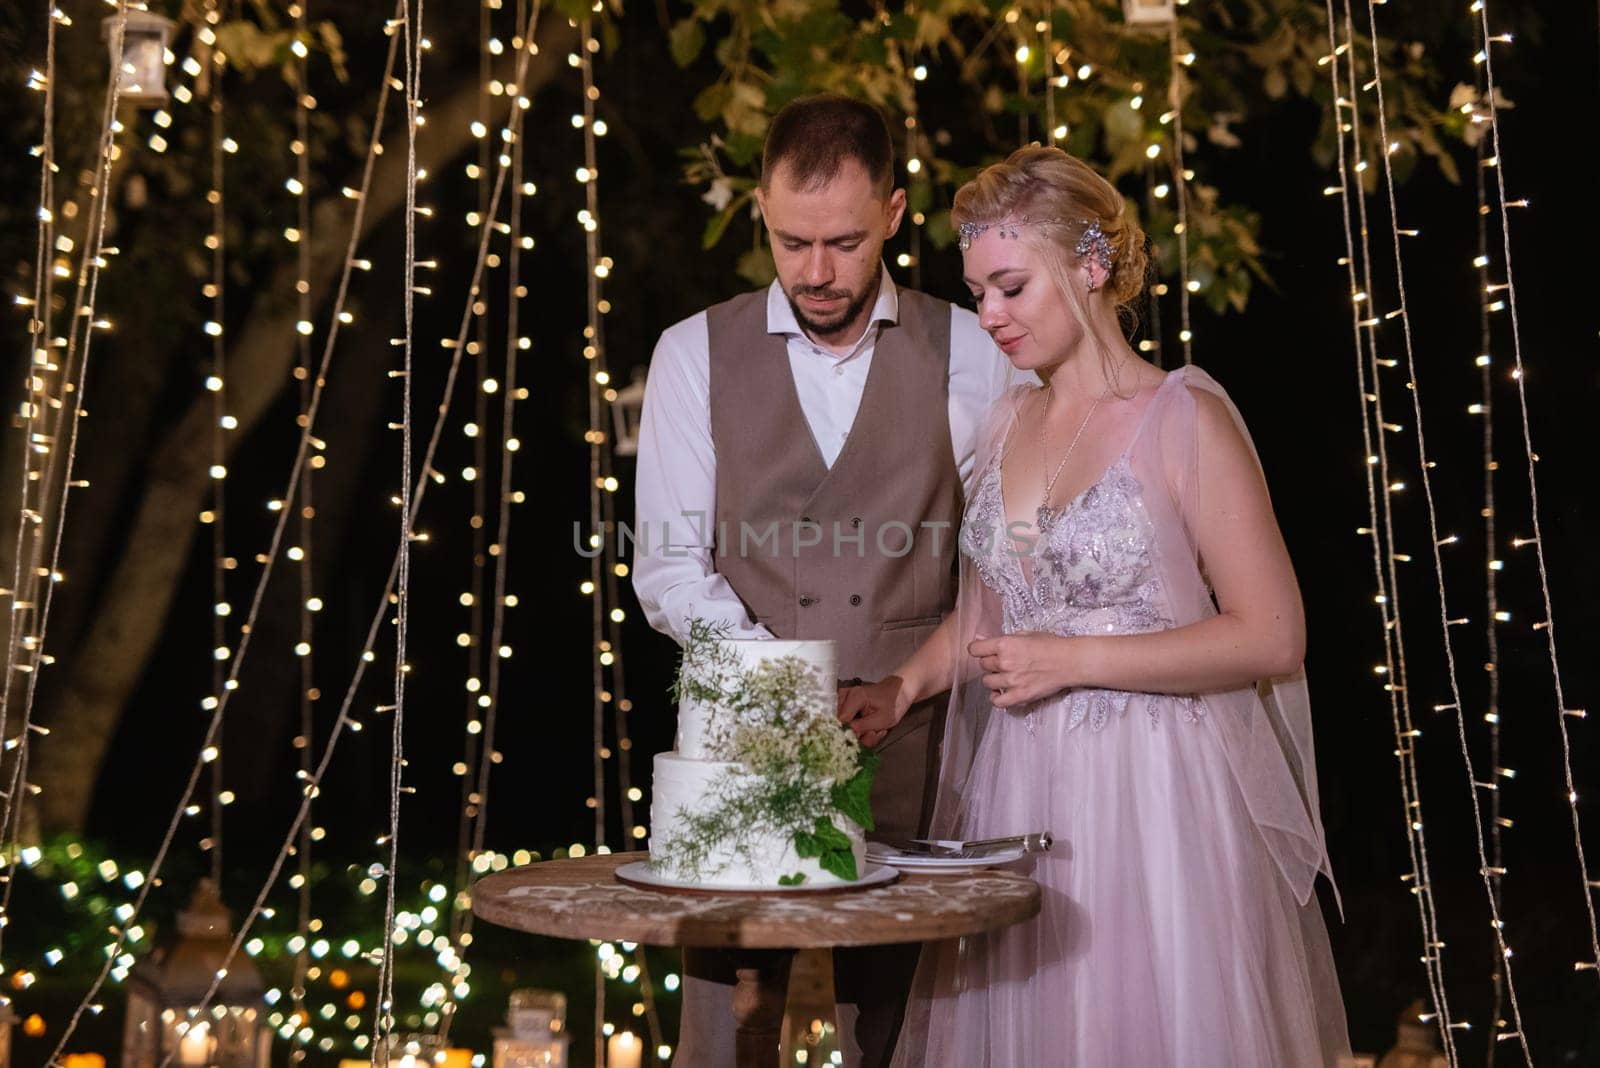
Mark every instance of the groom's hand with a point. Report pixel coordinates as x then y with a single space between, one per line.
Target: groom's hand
871 709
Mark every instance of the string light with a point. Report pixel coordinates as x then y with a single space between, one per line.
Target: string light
36 370
306 650
217 244
1433 529
1519 376
1492 614
1381 529
1052 130
1180 182
73 374
469 769
217 703
475 810
383 1015
594 353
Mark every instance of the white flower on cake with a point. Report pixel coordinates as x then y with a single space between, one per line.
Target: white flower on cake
766 786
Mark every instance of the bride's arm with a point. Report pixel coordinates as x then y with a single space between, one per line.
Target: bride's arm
1258 633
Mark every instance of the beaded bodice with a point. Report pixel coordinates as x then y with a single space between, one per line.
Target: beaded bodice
1086 568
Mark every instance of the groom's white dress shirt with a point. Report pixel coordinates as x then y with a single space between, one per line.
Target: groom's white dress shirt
676 488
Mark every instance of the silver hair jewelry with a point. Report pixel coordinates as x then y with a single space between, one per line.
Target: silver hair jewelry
970 231
1094 243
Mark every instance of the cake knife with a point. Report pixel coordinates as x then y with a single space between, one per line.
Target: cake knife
1038 842
1030 843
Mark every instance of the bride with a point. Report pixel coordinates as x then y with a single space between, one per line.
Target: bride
1125 672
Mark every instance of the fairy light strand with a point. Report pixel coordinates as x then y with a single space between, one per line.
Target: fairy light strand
35 369
594 353
1380 528
1381 511
1180 186
1150 345
343 721
461 915
1406 747
1433 532
512 153
1050 77
1491 623
383 1016
605 488
306 511
1520 377
508 449
77 360
217 328
269 562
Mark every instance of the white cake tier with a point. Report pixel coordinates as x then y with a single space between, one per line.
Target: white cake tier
683 786
692 715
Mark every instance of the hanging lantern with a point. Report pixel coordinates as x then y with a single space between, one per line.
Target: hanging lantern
165 988
143 57
626 411
1149 12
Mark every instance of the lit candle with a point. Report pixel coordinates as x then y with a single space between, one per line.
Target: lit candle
624 1050
84 1060
195 1045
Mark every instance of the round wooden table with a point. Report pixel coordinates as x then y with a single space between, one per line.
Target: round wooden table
583 899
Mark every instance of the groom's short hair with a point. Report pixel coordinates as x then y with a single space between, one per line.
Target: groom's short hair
815 135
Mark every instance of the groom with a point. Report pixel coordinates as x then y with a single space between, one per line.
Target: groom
802 461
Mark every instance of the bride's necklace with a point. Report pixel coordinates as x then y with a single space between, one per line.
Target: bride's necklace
1047 514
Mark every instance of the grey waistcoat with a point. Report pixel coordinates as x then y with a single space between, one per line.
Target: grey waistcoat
862 552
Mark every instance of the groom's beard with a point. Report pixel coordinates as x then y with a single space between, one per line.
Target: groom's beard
827 328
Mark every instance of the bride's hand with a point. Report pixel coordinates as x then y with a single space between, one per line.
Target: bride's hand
870 710
1022 667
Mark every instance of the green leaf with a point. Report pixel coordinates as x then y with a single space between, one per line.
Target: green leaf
687 40
756 267
831 837
333 45
841 863
853 797
792 880
709 104
714 228
919 197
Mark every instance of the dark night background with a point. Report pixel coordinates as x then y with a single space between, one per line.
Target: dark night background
1287 361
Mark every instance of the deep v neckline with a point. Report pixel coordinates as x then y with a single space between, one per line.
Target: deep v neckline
1041 530
1042 527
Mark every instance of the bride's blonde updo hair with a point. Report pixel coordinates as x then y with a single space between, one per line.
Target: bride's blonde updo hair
1059 196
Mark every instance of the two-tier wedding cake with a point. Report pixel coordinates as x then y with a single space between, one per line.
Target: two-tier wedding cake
765 787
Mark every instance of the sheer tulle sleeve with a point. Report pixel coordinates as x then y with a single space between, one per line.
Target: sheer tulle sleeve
978 614
1265 729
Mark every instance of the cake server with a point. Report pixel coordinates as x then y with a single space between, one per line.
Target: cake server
1038 842
952 847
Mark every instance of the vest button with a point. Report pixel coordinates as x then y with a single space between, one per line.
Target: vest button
855 521
806 602
855 598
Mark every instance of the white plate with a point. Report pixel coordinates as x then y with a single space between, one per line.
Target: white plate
933 864
639 873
